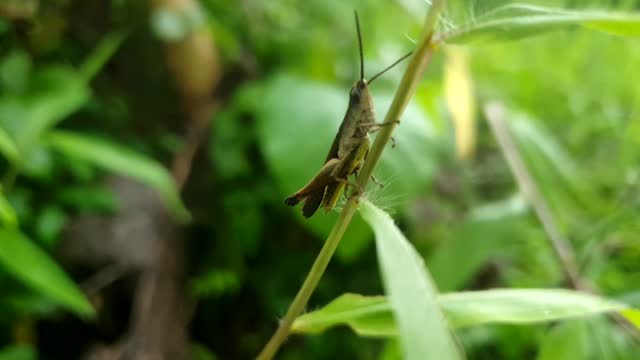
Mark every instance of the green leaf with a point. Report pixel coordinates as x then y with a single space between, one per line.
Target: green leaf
565 341
391 350
215 283
517 21
609 341
522 306
38 163
18 352
118 159
92 198
372 315
562 182
201 352
295 114
589 338
57 93
25 302
8 147
423 329
7 213
101 55
53 94
29 263
15 69
483 236
49 225
366 315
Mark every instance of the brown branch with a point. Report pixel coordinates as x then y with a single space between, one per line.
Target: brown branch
196 135
562 248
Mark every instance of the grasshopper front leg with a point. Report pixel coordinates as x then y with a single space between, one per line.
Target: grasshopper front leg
375 126
372 127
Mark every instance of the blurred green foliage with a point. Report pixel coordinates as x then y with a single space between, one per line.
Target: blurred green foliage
84 91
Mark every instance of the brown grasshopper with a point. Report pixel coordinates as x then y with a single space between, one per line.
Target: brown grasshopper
349 147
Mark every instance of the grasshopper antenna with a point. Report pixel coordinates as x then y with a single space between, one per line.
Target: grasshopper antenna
390 67
359 45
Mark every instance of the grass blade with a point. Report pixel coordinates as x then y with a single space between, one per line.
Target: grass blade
26 261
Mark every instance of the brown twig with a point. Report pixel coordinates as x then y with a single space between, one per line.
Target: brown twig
103 278
196 134
562 248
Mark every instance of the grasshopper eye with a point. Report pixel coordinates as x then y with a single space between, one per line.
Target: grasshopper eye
354 95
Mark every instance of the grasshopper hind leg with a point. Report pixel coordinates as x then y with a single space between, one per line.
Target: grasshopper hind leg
292 200
312 203
313 192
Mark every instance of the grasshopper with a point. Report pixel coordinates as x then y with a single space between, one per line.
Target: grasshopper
349 147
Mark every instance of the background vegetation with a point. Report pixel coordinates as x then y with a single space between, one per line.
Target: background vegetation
112 112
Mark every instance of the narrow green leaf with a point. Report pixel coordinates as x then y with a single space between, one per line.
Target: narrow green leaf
522 306
423 329
54 93
58 92
118 159
517 21
101 55
7 213
8 147
26 261
372 315
366 315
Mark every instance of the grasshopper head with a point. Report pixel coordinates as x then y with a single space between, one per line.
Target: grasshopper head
360 96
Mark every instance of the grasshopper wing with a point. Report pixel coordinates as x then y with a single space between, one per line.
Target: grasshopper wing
345 168
313 192
312 203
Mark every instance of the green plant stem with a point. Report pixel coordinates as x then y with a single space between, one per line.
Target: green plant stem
407 88
310 283
405 91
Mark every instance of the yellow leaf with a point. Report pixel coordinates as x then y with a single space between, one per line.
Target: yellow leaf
633 316
460 100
